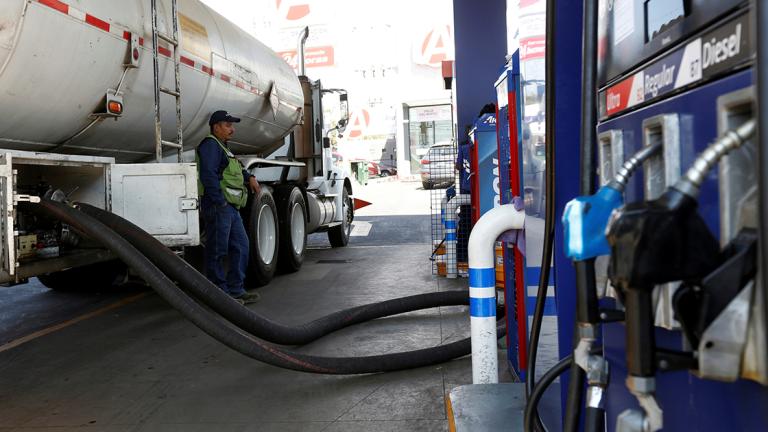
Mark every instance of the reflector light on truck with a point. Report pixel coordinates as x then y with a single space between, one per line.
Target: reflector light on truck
114 107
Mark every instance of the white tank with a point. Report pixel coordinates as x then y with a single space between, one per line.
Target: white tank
59 58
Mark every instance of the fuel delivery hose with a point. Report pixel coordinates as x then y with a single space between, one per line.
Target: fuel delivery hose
198 285
233 337
549 218
587 309
541 387
531 407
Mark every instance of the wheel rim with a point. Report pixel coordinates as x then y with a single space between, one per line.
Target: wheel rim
267 234
297 229
347 216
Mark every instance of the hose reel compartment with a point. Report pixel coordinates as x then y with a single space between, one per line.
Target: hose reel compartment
161 198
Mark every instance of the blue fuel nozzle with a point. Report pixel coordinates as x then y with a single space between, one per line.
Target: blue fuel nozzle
585 219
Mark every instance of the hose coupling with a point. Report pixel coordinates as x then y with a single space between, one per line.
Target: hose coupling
598 371
653 418
596 397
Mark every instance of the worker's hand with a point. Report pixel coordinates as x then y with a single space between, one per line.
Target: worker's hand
254 185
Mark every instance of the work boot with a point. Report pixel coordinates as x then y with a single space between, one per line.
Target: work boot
248 298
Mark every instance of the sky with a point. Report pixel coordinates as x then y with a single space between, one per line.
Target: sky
371 38
383 52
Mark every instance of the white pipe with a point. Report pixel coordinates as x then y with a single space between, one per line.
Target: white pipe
451 232
482 288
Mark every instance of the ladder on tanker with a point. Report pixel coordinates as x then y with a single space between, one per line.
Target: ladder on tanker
173 41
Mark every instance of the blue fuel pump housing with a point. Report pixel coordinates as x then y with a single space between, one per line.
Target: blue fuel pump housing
510 171
485 181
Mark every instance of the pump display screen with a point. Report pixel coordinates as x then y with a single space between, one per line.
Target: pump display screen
660 13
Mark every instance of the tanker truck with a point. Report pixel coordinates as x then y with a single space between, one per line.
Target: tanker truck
104 102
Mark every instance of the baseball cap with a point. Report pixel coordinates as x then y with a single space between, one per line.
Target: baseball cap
222 116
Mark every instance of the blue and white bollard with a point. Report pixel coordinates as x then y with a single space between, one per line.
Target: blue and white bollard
443 204
482 288
482 312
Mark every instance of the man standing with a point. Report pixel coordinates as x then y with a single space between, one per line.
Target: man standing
223 186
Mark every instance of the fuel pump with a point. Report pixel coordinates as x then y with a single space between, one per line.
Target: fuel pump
655 242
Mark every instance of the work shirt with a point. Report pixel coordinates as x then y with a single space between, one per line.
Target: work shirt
463 164
213 161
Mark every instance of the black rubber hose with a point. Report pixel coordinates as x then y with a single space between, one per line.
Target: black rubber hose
532 406
198 285
574 397
549 218
588 97
231 336
587 309
594 419
760 22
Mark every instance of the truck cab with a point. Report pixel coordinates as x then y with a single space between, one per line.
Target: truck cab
303 191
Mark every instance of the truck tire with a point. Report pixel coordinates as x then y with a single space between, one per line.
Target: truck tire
91 278
264 238
292 214
339 235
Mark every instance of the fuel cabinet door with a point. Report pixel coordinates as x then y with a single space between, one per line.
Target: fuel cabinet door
161 198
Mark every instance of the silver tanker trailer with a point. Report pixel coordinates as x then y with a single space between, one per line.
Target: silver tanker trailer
104 102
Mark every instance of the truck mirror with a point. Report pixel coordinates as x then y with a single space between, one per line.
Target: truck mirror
344 110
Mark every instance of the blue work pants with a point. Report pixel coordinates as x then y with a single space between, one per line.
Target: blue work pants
225 239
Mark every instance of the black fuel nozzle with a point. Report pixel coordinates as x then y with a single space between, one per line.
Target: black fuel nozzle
665 239
659 241
655 242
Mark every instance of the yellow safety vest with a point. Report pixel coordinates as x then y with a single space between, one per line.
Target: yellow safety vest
232 182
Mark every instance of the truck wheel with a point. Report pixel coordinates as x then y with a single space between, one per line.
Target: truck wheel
339 235
292 210
264 238
91 278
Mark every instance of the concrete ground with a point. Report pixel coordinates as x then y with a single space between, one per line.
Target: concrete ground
128 362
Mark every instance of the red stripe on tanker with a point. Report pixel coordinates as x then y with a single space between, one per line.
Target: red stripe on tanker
101 24
56 4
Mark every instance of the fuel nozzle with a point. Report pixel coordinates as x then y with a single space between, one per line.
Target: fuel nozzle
665 239
659 241
655 242
585 217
